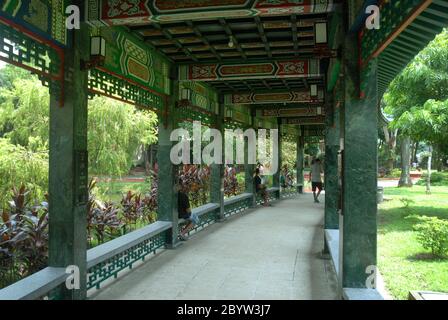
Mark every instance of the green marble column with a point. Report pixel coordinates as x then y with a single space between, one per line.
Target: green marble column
68 176
277 175
167 193
300 159
332 145
217 170
249 171
359 201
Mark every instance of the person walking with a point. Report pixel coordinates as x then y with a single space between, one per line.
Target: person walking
316 179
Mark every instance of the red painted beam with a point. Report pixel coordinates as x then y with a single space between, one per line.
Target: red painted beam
102 12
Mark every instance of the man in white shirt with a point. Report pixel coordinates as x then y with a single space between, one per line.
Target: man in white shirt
316 178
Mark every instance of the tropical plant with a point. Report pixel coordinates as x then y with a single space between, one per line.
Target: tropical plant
197 180
23 235
230 182
432 233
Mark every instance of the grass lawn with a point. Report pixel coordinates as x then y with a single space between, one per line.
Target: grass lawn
403 262
114 190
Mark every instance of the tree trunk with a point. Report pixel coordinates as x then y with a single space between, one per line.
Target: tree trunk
391 144
438 159
414 156
428 176
405 180
390 164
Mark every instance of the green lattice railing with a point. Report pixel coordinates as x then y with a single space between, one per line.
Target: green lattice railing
112 266
289 192
231 207
36 56
104 83
106 261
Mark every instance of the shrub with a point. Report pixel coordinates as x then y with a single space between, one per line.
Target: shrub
23 237
432 233
437 179
21 166
197 179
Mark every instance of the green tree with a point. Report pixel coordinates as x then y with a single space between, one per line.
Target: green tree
115 132
9 74
24 113
417 96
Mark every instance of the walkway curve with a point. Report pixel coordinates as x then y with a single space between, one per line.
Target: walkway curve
265 253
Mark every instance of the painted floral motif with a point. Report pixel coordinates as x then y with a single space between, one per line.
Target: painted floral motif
124 8
292 67
203 72
279 2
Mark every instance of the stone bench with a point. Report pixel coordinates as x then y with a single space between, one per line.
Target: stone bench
237 198
200 211
35 286
270 192
116 246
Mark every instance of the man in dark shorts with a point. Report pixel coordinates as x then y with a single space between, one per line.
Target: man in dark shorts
184 212
316 179
260 188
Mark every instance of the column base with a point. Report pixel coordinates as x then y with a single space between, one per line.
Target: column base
171 246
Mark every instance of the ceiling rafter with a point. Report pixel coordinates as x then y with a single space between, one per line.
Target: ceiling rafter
305 83
267 85
231 36
169 36
294 34
229 86
204 39
286 84
263 36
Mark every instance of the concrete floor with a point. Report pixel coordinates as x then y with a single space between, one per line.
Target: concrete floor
266 253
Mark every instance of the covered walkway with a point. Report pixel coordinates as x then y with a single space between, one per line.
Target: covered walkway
264 253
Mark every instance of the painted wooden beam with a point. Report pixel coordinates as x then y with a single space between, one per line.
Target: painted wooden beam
298 68
112 13
297 96
291 112
317 120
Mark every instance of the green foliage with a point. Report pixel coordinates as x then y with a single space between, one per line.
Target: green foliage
24 113
23 237
196 180
407 205
21 166
394 173
404 264
115 131
289 154
417 98
9 74
433 234
437 179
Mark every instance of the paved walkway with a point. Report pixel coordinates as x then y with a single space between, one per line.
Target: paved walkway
266 253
